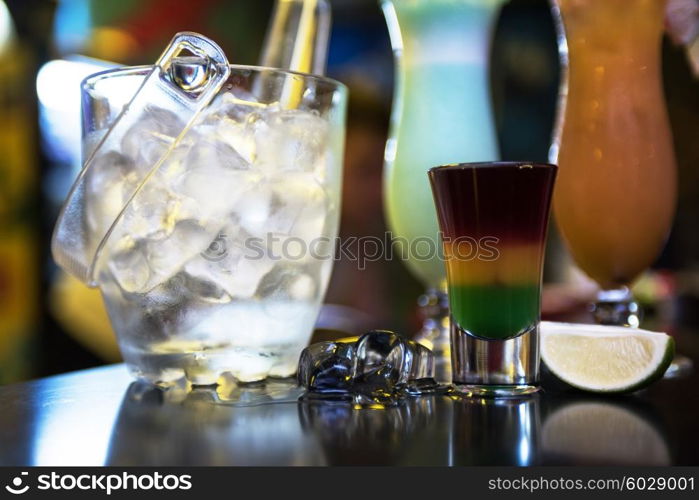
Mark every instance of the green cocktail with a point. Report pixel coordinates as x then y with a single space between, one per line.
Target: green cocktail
479 308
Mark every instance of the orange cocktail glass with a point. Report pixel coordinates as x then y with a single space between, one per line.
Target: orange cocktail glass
616 191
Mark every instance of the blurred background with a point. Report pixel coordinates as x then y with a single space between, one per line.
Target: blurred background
49 324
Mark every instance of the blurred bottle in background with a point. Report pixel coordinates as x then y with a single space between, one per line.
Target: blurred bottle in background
297 36
19 173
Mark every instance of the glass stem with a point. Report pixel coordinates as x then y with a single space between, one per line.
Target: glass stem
617 307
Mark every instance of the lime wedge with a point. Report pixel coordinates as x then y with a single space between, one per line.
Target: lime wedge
605 359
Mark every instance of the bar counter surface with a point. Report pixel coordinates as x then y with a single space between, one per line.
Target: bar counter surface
101 417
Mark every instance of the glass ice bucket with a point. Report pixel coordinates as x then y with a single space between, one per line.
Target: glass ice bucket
221 259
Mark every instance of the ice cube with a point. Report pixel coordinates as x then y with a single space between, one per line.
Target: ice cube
211 149
227 264
129 265
232 116
167 256
166 295
253 209
422 361
249 365
238 136
107 169
201 375
421 378
214 188
204 290
302 287
153 133
328 367
285 286
383 361
299 208
109 186
288 282
141 265
235 104
291 140
152 213
384 369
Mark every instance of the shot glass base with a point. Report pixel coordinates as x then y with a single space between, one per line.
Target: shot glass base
495 367
491 391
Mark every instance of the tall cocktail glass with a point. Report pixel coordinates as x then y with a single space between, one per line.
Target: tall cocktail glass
441 114
493 219
616 194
